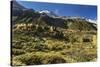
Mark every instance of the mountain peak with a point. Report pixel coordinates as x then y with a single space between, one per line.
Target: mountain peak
44 11
47 12
16 5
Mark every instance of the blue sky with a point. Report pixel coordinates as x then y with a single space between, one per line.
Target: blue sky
87 11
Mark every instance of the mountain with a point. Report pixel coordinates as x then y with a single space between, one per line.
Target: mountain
48 18
44 11
92 21
16 8
47 12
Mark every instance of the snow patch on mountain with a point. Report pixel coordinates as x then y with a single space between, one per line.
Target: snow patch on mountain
44 11
92 21
47 12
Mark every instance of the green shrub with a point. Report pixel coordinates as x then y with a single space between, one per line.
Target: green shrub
54 45
58 35
58 47
17 63
84 58
40 46
53 59
29 59
17 51
17 45
39 58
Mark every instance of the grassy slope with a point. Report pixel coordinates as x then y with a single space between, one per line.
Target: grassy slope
28 49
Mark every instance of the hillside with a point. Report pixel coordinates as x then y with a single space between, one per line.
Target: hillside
31 16
46 38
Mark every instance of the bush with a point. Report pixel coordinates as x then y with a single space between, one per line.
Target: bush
84 58
58 35
54 45
53 59
17 45
40 29
17 51
17 63
38 58
29 59
86 40
58 46
40 47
